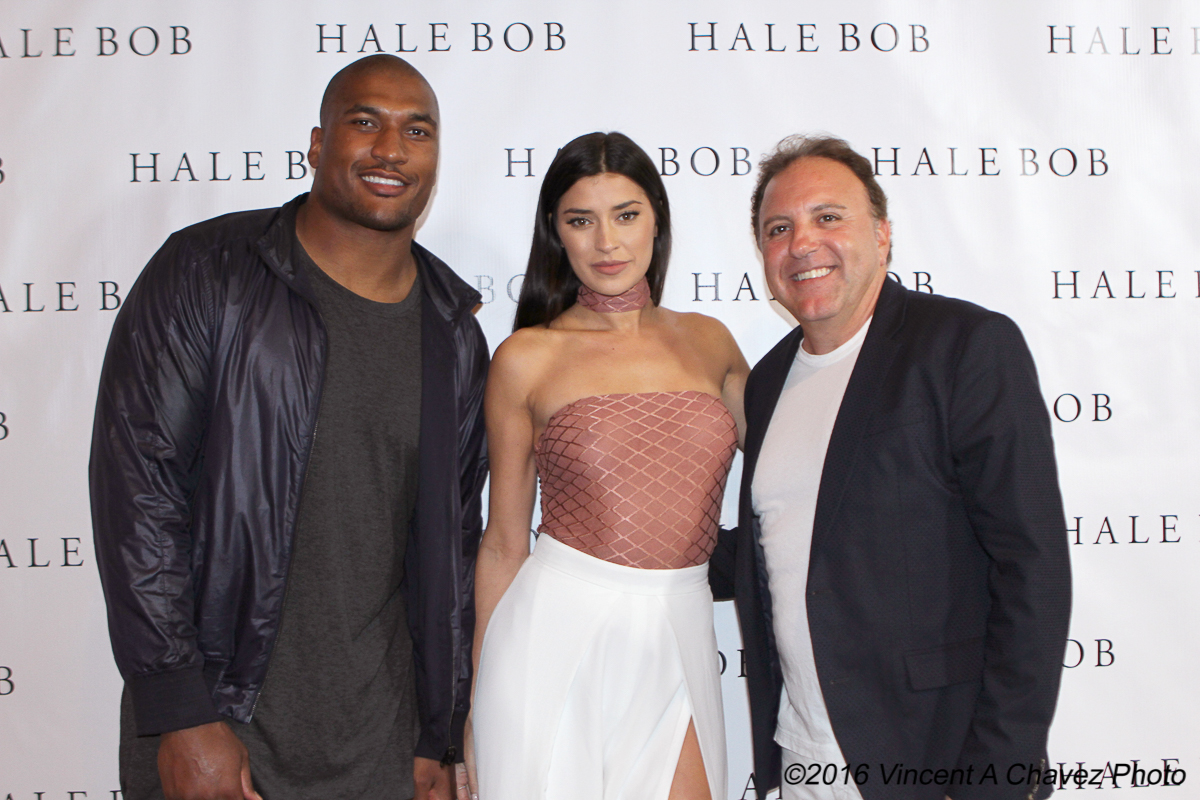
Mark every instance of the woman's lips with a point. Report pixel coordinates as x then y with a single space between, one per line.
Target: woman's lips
609 267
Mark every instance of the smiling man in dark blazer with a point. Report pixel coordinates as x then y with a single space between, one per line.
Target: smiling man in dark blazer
900 566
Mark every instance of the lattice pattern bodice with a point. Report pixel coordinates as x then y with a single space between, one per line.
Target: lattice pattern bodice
637 479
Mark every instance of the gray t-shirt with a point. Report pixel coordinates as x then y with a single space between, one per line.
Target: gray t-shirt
337 714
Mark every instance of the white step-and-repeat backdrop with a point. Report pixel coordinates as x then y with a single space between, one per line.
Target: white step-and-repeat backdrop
1041 159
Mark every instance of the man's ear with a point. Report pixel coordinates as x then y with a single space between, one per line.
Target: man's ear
883 239
314 147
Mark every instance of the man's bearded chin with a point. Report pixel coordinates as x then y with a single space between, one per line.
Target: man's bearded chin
381 221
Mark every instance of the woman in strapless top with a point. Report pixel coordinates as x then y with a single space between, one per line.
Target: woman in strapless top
597 674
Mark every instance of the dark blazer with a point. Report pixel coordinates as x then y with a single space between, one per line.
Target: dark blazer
939 585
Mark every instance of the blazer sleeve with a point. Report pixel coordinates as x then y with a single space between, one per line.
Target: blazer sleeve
1003 455
721 564
144 469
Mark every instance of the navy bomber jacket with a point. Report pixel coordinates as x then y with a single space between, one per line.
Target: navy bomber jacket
204 424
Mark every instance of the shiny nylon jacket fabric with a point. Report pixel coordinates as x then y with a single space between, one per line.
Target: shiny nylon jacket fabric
204 423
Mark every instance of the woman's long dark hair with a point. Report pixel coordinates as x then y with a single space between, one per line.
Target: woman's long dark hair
550 284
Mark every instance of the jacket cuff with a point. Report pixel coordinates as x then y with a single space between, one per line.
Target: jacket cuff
427 747
171 701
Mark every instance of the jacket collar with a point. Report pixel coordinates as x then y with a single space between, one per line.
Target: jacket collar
858 405
450 295
889 309
774 368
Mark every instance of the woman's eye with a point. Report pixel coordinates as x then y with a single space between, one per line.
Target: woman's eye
577 222
628 216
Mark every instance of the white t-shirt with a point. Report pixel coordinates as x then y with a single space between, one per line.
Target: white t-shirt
784 493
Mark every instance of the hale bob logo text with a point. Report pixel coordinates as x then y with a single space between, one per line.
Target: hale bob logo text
808 37
516 37
1123 40
703 161
212 165
1163 530
1129 284
1077 653
66 43
1061 161
1069 408
706 161
63 298
42 557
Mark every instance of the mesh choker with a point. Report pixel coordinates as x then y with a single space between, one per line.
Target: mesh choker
634 298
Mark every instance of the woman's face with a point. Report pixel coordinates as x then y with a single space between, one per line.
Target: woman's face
607 226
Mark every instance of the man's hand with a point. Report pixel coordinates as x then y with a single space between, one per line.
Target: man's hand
432 780
207 762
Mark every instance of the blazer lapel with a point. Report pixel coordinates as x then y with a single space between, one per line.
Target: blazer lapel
858 403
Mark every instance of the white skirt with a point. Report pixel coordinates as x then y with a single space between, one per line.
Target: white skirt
589 676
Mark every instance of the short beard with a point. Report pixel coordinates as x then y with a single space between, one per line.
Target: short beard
385 224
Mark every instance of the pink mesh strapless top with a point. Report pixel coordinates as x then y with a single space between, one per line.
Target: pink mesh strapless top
637 479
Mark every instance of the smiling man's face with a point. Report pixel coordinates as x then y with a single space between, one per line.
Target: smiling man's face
824 254
375 155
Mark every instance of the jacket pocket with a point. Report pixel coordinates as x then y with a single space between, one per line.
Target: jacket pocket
957 662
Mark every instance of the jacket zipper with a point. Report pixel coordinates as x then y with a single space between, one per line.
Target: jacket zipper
312 443
451 751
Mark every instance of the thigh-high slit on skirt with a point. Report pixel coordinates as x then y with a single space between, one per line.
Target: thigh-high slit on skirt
590 673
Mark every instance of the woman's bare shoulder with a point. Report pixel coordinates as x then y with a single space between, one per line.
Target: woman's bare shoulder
705 330
524 356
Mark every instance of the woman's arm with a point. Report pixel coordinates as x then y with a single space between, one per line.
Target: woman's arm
734 386
509 414
722 562
505 544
